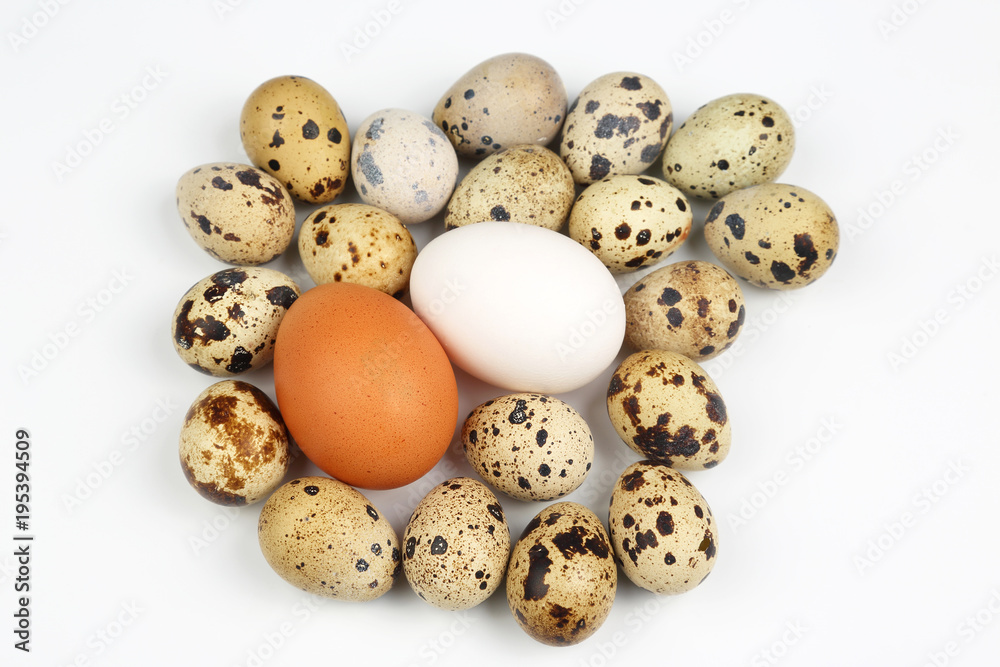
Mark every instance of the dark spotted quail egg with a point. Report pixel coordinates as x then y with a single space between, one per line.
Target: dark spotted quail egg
293 128
665 407
618 125
773 235
630 221
236 213
234 445
456 545
661 529
403 163
695 308
514 98
227 323
527 184
730 143
325 537
562 578
529 446
360 244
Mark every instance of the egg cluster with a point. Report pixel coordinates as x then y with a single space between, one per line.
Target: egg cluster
364 381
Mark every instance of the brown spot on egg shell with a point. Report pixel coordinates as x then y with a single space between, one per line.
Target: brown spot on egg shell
562 577
518 442
322 542
665 552
671 419
313 170
699 311
456 548
509 99
223 317
234 448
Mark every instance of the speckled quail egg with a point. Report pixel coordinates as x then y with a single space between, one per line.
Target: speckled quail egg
403 163
773 235
527 184
325 537
233 444
456 545
510 99
357 243
293 128
733 142
630 221
665 407
562 578
236 213
661 529
695 308
529 446
618 125
226 324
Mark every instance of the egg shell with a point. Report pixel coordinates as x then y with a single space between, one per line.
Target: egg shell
236 213
513 98
521 307
324 537
226 324
662 530
562 578
773 235
618 125
666 407
456 545
403 163
365 389
529 446
527 184
733 142
292 128
233 444
630 221
694 308
360 244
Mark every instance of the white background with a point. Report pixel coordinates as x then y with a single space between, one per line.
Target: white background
844 537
